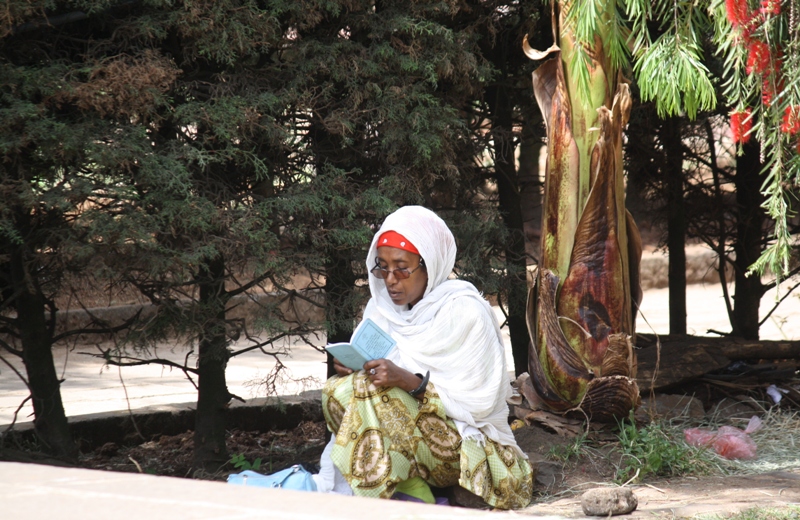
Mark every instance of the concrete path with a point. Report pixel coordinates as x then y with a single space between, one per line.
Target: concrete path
32 492
91 387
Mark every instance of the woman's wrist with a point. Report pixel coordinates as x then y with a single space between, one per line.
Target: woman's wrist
419 390
410 382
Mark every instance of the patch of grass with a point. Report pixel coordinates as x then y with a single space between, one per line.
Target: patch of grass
759 513
658 450
567 452
778 444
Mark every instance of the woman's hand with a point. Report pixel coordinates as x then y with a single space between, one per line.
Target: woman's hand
341 370
383 372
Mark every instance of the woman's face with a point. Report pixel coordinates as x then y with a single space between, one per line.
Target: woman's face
410 290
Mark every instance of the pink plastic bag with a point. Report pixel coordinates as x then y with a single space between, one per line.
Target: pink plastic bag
729 442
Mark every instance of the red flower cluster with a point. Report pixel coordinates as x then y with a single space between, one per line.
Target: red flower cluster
791 120
770 7
763 60
758 57
767 91
737 12
741 124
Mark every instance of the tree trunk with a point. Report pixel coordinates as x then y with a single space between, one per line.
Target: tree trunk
340 311
340 280
210 453
747 245
50 421
510 209
676 224
530 186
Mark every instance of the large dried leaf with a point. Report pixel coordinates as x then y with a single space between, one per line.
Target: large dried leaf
536 388
634 266
536 54
545 391
545 83
531 315
560 425
562 183
610 398
595 294
620 358
525 387
582 328
565 370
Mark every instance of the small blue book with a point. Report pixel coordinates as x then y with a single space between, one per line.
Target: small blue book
370 342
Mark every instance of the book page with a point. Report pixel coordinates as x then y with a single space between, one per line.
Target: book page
347 355
372 341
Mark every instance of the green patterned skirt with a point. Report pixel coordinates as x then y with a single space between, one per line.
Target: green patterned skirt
385 436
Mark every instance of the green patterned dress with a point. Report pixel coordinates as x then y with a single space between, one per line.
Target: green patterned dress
385 436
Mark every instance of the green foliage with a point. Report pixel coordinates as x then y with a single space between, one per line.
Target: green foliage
671 73
242 464
567 452
579 66
670 70
769 89
655 451
667 42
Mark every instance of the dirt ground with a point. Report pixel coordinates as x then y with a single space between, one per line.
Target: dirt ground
558 484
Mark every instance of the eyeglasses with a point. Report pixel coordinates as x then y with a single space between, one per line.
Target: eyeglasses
400 274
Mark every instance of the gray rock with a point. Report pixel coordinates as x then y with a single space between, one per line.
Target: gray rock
608 501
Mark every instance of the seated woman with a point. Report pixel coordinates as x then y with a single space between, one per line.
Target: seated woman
434 411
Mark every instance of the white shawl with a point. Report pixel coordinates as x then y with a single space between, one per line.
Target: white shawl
452 331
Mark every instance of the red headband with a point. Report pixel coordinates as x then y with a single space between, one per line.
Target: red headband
395 239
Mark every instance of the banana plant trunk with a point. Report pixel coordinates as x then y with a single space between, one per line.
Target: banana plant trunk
582 307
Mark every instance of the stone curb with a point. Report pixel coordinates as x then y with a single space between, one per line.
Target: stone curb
123 427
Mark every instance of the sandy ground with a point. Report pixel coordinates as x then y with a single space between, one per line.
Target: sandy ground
91 387
705 310
691 496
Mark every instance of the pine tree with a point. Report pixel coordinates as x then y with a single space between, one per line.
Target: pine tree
233 145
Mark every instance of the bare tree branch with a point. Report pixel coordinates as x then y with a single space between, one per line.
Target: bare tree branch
246 287
723 236
13 369
9 348
101 330
774 307
772 284
129 361
260 345
16 413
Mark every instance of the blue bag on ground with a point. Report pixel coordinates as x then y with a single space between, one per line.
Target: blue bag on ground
295 477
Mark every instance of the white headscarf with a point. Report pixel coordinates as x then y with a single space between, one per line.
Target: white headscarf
452 331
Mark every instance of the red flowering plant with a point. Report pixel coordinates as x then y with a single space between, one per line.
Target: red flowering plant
791 120
741 125
770 7
761 43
